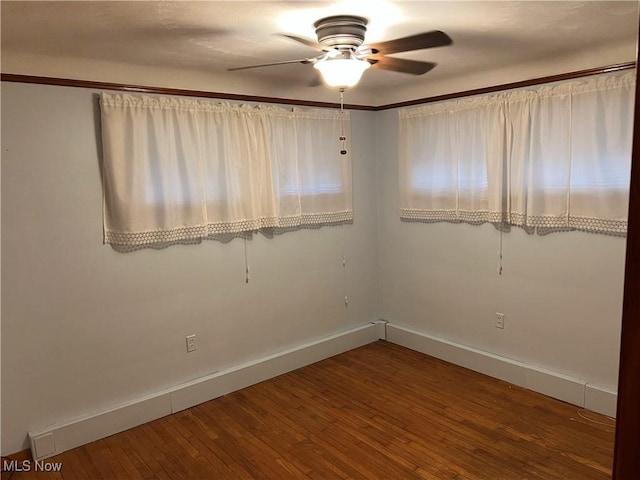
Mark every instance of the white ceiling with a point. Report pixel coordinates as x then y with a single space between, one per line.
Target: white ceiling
191 44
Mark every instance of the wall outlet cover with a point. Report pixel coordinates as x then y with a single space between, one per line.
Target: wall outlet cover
191 343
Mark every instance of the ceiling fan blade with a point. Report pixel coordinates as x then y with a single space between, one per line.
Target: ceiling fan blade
304 61
420 41
401 65
307 42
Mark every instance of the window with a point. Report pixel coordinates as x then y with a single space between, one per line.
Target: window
180 170
552 158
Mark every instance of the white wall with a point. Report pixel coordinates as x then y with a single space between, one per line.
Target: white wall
85 328
561 294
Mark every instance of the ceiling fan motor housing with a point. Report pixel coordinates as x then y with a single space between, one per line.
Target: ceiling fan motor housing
341 31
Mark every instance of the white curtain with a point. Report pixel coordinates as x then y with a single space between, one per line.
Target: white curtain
179 170
550 158
451 161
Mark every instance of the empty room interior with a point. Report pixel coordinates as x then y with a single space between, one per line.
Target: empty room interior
314 239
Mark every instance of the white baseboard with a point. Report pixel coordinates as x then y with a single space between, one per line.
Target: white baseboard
212 386
100 425
600 400
381 329
569 389
57 439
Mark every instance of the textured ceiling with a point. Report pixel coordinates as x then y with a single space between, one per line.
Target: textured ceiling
191 44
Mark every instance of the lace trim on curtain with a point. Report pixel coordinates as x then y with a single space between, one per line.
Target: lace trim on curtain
546 224
542 225
224 230
452 216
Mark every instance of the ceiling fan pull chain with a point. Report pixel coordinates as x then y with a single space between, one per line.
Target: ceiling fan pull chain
343 150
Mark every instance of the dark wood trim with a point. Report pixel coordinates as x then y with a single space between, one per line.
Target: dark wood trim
626 462
509 86
69 82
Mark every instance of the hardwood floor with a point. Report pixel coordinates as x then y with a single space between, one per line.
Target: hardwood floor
380 411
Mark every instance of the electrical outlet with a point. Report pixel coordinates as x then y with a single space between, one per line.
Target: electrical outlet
191 343
499 320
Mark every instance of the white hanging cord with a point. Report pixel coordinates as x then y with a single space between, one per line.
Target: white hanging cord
344 272
246 262
343 148
343 151
500 252
612 421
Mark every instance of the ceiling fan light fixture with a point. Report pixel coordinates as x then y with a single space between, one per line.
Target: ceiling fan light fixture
342 72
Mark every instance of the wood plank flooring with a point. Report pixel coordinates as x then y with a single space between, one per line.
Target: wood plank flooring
380 411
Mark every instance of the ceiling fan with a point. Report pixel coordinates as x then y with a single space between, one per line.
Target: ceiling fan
345 57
